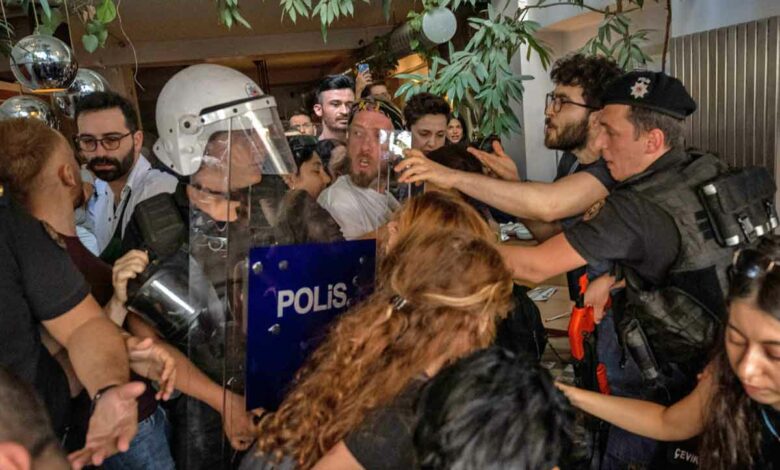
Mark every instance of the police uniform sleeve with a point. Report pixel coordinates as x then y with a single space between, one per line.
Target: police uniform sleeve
599 170
52 283
630 230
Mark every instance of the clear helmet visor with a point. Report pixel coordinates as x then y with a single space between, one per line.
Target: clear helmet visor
247 138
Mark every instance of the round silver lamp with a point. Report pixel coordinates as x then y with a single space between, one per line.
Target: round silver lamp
28 107
87 81
43 63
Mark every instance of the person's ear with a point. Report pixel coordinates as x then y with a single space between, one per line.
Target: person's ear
68 176
14 456
138 140
289 180
656 141
318 110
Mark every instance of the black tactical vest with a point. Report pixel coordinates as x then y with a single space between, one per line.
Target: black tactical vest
681 318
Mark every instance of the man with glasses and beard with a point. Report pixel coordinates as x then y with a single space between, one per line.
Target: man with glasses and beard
357 201
110 142
582 178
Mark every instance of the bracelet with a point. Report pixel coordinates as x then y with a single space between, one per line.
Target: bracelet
99 395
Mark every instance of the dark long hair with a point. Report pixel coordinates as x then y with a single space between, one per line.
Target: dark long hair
732 430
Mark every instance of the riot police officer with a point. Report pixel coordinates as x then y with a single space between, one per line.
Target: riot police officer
223 136
654 228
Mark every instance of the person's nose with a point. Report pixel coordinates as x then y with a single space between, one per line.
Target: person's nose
749 367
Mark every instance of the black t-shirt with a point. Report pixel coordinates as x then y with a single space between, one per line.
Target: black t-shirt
569 165
770 442
384 440
38 282
630 230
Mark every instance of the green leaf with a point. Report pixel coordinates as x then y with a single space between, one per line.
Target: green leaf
387 8
103 36
106 12
46 8
90 42
241 20
94 27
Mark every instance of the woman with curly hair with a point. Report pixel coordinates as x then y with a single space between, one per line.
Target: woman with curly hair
736 405
436 210
353 403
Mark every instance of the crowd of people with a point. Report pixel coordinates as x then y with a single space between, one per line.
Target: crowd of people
124 298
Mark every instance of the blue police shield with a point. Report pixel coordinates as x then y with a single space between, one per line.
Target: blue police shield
295 292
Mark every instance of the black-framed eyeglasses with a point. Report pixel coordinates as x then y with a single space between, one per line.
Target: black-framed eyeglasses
557 103
751 263
88 143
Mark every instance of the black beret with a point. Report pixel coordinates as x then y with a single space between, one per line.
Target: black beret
652 90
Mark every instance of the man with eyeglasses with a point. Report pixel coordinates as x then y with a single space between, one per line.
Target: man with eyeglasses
582 178
357 201
301 122
110 142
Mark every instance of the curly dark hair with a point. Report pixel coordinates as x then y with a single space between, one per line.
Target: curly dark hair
425 103
592 73
732 429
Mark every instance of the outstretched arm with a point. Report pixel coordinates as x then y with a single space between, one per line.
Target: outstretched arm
547 202
677 422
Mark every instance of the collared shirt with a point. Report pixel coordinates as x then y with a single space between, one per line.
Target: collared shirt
103 216
357 210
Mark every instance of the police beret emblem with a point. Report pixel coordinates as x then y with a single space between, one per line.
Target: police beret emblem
640 88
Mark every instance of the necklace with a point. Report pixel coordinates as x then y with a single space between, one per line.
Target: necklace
769 424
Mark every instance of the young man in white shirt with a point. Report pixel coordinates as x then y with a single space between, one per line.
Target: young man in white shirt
356 201
110 142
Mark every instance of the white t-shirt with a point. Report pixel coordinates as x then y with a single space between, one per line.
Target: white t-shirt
357 210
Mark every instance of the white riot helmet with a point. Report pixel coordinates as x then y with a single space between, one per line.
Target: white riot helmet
205 99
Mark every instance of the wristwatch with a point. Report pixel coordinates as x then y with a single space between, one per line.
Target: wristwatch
98 395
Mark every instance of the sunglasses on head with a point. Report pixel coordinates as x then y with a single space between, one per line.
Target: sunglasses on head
751 263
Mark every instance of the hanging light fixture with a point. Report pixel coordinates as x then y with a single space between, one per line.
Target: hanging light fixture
43 64
439 25
87 81
28 107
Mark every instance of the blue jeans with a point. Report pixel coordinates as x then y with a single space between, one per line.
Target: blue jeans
623 449
149 449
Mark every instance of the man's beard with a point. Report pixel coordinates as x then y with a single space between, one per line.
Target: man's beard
120 166
570 137
362 179
335 124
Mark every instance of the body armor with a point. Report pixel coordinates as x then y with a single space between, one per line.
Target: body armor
678 321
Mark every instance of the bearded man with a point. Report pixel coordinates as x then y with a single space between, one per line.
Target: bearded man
357 201
110 142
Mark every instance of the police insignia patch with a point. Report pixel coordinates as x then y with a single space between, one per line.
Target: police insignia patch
640 88
54 235
594 210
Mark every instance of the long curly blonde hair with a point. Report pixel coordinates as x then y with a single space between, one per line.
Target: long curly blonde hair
456 287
